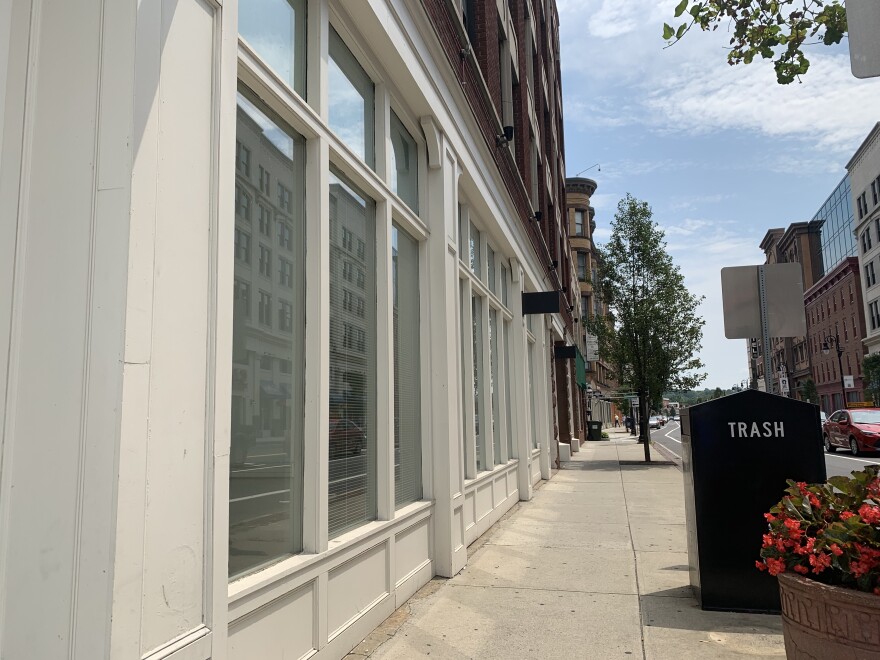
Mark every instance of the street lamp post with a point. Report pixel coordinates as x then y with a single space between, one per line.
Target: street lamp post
827 343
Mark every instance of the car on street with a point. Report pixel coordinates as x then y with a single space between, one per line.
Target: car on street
654 423
664 420
855 430
346 438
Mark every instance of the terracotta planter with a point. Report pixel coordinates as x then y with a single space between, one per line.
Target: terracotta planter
828 623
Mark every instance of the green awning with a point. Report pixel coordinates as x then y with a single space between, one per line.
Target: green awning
580 370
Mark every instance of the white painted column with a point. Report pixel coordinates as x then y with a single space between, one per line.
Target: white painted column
450 554
519 364
65 135
544 343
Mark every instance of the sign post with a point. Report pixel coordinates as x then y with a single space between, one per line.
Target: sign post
763 301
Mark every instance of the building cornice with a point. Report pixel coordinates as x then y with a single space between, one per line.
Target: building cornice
580 185
874 134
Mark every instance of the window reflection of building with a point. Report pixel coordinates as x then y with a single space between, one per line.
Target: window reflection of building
352 472
266 444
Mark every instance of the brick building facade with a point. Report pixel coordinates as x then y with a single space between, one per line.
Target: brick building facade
836 317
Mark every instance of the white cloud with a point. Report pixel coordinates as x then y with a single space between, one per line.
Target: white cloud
830 108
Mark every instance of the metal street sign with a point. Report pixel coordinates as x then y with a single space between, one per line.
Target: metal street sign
741 299
783 385
763 301
592 348
848 382
863 25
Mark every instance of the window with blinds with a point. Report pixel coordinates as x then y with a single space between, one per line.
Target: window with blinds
532 394
511 453
266 451
352 437
479 415
407 379
494 385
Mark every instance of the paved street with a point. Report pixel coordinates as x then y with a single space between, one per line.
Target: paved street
839 463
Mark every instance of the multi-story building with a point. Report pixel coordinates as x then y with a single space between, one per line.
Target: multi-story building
835 329
799 243
820 246
864 174
581 225
271 352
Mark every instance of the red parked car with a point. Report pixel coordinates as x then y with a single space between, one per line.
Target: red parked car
856 430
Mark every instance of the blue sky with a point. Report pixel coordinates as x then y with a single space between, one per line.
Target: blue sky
721 153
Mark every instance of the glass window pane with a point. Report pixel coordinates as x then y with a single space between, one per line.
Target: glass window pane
407 389
508 402
532 389
494 385
504 285
475 250
266 453
490 262
352 441
463 234
404 169
479 430
465 331
351 99
276 30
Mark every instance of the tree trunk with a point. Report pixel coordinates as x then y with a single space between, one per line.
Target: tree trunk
644 431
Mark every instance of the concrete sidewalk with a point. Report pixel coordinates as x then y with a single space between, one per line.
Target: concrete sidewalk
595 566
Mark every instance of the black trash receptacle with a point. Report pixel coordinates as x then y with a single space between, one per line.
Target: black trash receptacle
594 430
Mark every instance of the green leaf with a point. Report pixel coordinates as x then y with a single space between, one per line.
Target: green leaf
681 30
679 9
667 31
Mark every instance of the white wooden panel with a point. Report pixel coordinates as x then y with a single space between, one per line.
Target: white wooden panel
285 628
499 489
55 428
467 510
355 586
457 529
483 500
511 483
412 547
174 553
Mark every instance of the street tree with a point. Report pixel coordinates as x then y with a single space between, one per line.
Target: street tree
871 375
777 30
652 333
809 392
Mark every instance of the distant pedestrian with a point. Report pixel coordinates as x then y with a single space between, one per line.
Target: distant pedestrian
616 421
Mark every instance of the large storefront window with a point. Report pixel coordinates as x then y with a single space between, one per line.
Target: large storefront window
276 30
532 389
494 385
352 450
479 414
352 104
511 451
266 454
407 383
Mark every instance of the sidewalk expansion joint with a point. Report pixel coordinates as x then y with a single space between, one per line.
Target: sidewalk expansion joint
642 615
549 589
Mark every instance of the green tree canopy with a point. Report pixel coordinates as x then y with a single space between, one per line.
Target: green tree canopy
776 30
809 392
871 375
655 333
